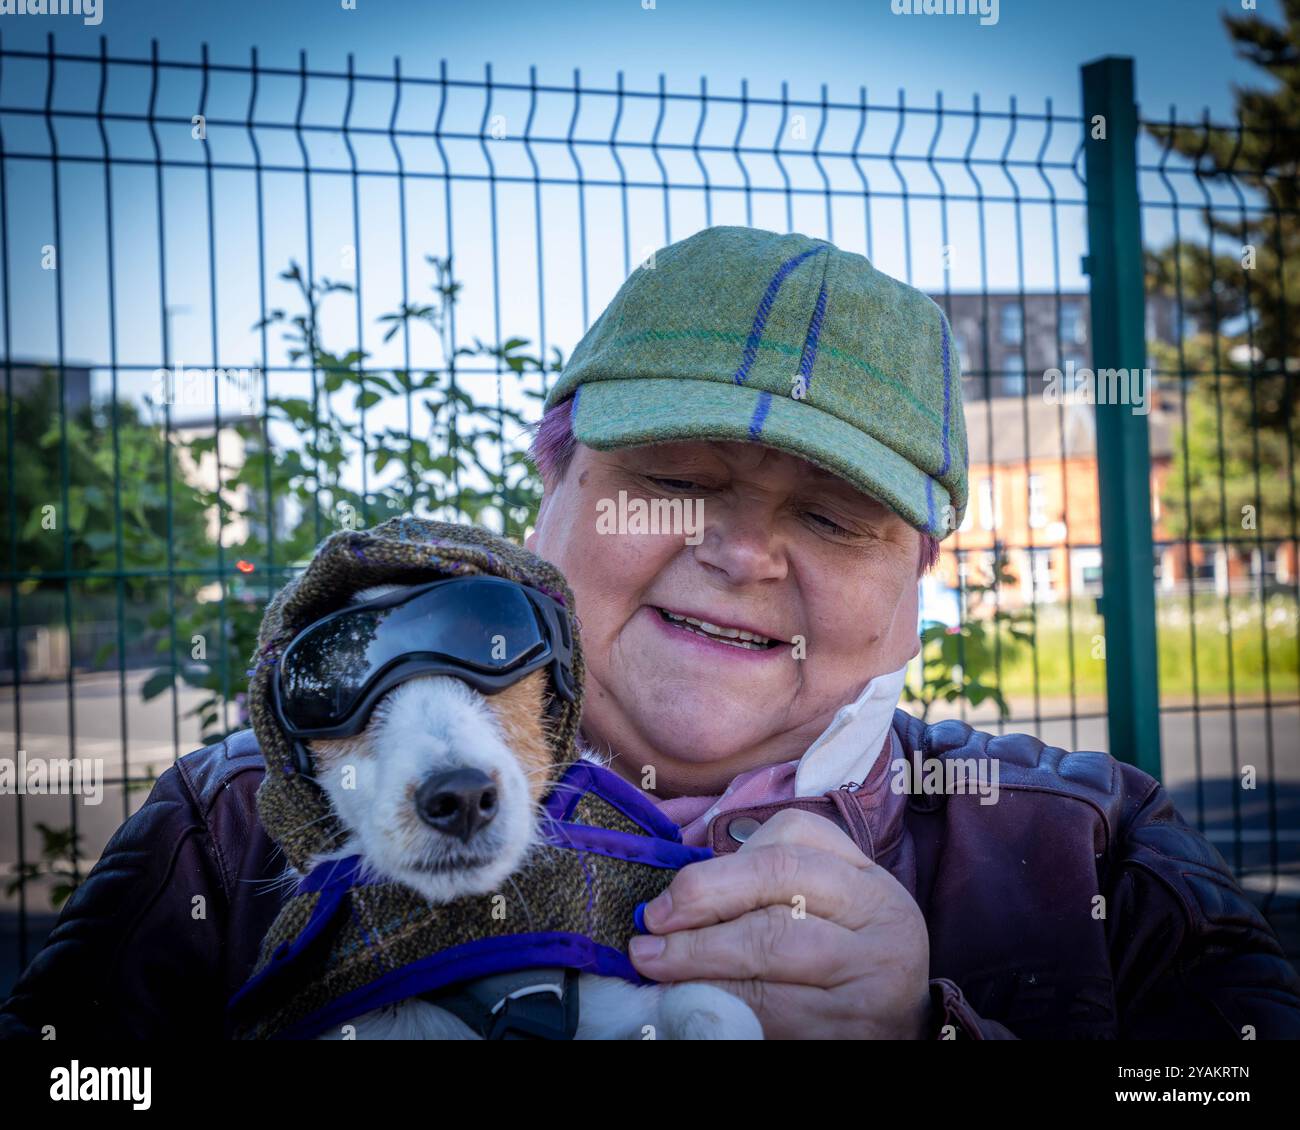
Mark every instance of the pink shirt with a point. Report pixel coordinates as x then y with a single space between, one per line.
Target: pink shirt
767 784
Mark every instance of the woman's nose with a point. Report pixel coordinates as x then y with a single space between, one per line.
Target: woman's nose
742 543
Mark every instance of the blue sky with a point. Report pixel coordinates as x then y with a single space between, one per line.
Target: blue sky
1033 50
212 291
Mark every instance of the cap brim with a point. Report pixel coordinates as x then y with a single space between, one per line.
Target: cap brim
624 413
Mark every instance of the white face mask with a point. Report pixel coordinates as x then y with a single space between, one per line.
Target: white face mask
851 744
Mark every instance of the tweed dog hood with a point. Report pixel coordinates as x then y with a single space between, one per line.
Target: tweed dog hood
293 809
346 942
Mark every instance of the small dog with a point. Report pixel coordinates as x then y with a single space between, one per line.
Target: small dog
445 798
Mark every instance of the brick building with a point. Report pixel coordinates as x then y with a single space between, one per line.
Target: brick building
1033 494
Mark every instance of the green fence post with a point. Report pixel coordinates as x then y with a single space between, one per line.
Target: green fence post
1114 264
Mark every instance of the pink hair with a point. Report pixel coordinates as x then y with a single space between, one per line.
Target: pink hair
552 451
553 444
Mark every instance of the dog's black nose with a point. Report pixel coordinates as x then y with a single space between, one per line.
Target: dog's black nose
458 802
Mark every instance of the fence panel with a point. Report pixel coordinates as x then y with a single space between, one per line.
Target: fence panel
244 306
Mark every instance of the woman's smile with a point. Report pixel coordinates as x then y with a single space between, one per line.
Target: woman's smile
712 641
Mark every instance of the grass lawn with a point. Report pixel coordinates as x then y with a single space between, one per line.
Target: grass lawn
1224 647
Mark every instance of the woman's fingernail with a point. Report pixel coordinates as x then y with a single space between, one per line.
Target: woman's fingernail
658 909
646 946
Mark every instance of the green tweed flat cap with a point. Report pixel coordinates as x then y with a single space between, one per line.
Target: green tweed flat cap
741 334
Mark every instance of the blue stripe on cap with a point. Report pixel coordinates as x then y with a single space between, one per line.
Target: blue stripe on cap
761 410
809 358
741 375
947 394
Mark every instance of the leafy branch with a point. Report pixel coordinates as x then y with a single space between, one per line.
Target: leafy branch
957 662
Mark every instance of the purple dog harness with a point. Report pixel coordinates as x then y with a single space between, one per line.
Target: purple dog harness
505 985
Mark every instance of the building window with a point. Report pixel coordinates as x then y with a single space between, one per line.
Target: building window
1264 561
1087 571
1037 502
989 510
1072 328
1012 324
984 571
1040 568
959 350
1013 376
1203 569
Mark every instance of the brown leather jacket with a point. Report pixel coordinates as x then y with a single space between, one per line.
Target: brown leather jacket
167 925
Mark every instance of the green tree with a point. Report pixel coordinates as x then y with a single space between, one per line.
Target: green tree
964 662
452 455
119 459
1243 414
106 479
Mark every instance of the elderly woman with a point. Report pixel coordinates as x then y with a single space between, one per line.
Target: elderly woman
748 465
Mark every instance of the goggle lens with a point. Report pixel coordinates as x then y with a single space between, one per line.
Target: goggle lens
486 624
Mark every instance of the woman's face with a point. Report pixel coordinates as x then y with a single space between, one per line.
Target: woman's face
784 550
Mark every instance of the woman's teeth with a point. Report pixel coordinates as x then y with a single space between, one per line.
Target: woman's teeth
751 641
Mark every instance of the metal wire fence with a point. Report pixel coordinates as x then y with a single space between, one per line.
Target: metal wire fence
245 305
1219 217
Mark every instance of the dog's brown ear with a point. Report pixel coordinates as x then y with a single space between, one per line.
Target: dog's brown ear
326 753
520 713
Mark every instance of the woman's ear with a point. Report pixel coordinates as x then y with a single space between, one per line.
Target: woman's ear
904 634
530 540
916 650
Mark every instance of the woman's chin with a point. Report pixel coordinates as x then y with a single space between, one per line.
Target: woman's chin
699 733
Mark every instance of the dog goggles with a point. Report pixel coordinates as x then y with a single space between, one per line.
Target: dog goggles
486 631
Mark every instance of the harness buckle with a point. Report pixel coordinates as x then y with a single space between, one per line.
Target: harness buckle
528 1004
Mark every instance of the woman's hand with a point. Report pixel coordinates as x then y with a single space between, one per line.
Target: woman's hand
817 939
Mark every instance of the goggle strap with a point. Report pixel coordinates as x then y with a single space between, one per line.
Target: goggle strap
302 759
561 665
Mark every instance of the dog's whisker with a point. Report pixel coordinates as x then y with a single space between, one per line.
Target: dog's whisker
528 914
308 823
279 882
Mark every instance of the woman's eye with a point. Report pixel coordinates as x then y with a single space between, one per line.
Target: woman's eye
827 524
673 484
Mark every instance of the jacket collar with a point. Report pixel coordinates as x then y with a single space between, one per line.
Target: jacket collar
872 814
